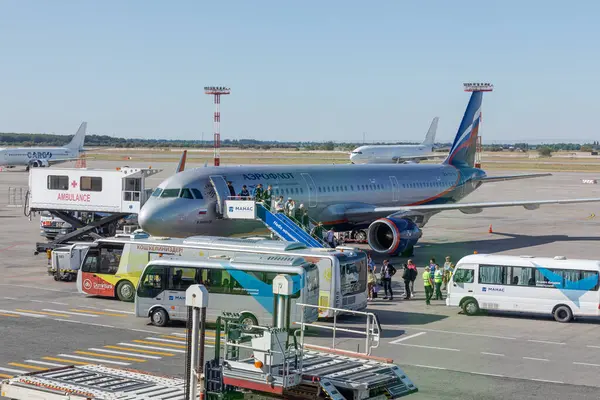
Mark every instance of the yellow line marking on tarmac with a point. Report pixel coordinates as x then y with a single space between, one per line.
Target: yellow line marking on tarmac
65 360
97 312
27 366
42 313
5 376
9 315
160 344
157 353
87 353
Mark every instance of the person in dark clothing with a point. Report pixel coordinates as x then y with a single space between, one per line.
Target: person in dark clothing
231 189
266 196
387 271
244 193
406 277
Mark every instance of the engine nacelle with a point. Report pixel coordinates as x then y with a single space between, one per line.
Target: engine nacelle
38 163
393 235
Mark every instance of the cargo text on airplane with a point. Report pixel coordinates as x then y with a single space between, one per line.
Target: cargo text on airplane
82 198
39 154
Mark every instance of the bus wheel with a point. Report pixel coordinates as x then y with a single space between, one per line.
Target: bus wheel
159 317
125 291
247 321
563 314
470 307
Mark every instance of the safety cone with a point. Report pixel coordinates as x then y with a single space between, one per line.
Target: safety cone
490 230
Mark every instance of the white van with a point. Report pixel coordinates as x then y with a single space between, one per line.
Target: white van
564 288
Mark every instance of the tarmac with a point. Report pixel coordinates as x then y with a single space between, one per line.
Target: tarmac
44 323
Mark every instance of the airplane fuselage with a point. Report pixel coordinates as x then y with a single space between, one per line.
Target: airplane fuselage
327 191
388 154
26 156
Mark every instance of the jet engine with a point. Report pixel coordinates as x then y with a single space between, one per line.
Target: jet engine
38 163
393 236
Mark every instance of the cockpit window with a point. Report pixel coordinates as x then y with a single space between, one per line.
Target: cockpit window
170 193
156 192
197 193
186 193
357 152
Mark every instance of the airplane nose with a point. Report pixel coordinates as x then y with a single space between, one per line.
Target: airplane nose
145 219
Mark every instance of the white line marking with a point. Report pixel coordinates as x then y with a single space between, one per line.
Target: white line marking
83 323
143 330
535 359
9 298
165 340
70 312
14 371
179 334
407 337
486 374
492 354
120 311
428 366
427 347
125 354
545 341
58 303
152 348
24 313
594 347
45 363
94 359
468 334
38 301
588 364
39 288
542 380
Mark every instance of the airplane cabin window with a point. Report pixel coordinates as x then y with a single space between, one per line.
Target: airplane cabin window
197 193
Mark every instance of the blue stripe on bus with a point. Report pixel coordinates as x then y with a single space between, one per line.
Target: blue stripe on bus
573 290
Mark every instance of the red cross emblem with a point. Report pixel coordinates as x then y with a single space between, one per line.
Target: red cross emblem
74 184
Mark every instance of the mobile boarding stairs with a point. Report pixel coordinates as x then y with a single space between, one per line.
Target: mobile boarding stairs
256 363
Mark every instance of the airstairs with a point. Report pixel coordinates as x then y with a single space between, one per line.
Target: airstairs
280 224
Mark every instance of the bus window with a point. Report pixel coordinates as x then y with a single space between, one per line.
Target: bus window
492 275
90 264
152 282
464 275
109 260
182 278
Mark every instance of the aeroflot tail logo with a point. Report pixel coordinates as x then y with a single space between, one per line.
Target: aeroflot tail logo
282 175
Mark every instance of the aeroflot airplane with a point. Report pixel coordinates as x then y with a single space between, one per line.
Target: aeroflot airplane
44 156
396 153
392 201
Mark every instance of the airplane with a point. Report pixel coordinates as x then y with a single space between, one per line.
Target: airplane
397 153
392 202
33 157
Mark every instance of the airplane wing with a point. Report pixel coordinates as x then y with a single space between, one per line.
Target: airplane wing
489 179
466 208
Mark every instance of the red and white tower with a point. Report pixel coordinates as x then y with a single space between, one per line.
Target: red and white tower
217 91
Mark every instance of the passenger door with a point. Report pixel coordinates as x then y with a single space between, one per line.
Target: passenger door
395 188
312 189
221 191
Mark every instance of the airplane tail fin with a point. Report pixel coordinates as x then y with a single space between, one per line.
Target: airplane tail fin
181 165
77 142
430 137
462 152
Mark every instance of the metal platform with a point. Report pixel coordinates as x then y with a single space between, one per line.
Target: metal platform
94 381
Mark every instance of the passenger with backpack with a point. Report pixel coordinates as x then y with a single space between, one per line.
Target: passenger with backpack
387 271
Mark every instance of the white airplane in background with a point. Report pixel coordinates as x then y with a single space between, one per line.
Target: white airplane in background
397 153
44 156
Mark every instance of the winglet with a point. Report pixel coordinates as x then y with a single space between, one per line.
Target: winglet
181 165
430 137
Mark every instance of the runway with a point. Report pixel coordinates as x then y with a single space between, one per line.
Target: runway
44 323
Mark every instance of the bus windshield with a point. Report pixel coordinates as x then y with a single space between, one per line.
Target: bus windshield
353 274
104 260
312 278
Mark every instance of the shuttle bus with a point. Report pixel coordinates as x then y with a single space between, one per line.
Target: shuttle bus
561 287
112 266
242 284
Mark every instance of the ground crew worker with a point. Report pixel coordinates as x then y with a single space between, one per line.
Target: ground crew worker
437 279
428 284
49 256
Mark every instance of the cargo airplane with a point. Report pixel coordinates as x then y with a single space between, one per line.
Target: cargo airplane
391 202
44 156
397 153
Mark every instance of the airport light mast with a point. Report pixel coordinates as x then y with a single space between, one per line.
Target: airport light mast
478 87
217 92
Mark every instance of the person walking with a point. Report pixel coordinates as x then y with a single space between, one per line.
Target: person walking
413 277
279 208
370 283
290 206
371 263
437 279
267 196
406 277
317 231
257 193
387 271
331 238
244 194
447 272
305 219
231 189
428 284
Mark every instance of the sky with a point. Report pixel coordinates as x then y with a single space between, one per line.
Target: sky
311 70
